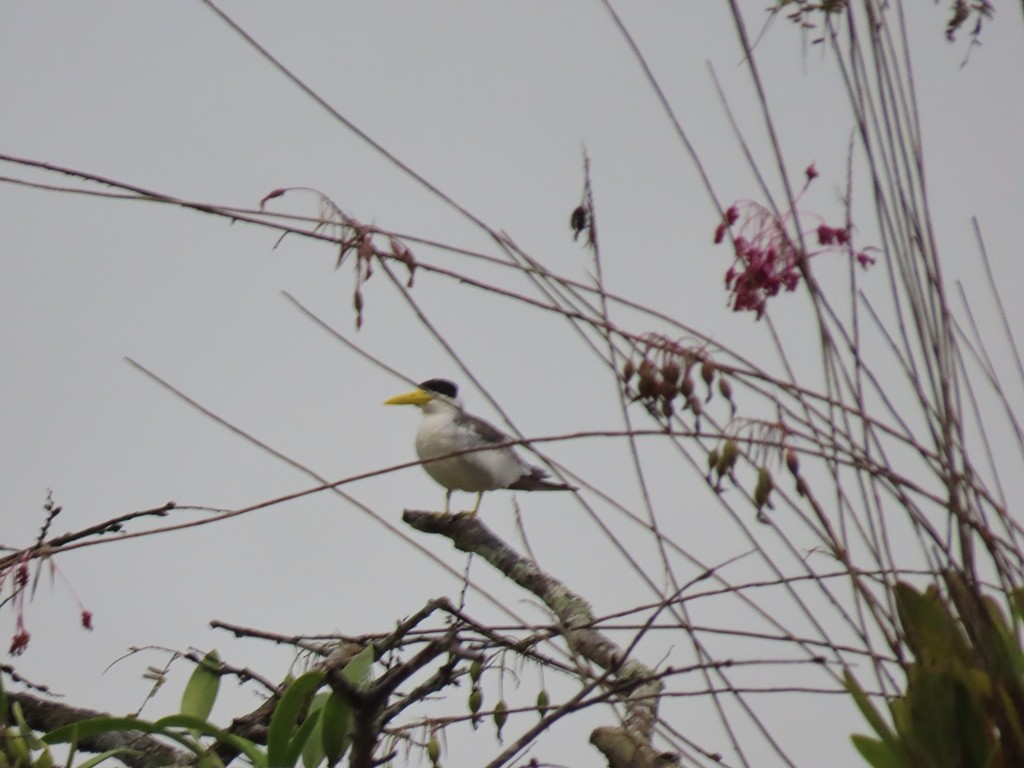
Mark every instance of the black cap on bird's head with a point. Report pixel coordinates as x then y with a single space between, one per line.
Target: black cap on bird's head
441 387
430 390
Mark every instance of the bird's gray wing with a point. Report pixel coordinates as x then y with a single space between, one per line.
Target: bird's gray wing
533 478
487 433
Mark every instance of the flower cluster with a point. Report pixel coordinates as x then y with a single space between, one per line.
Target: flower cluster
766 259
18 590
22 585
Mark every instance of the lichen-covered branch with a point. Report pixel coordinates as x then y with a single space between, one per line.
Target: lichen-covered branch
641 688
145 751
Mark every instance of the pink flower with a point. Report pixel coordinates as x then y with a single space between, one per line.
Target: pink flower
19 643
864 260
767 258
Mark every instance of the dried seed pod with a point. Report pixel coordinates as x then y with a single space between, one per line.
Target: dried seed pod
670 372
801 487
579 220
647 386
707 372
628 371
764 487
365 248
666 409
686 386
725 388
667 390
792 462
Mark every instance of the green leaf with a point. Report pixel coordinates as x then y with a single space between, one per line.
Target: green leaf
1017 603
877 753
871 714
336 723
165 726
99 725
336 727
27 733
210 759
313 750
3 702
285 717
202 688
302 735
95 760
95 726
932 632
357 671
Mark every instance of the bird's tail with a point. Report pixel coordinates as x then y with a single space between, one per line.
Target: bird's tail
537 481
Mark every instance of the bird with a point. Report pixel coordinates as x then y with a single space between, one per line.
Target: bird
447 429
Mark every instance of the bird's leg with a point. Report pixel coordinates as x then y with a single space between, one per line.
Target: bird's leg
479 498
448 501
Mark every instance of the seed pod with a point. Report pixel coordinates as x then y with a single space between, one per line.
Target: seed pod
801 487
686 386
713 456
666 409
628 370
648 384
500 716
476 699
670 372
763 488
725 389
647 387
727 457
792 462
543 702
365 248
578 220
695 406
433 749
357 303
45 760
475 670
707 372
667 390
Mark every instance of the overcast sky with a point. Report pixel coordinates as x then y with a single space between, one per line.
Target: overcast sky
490 102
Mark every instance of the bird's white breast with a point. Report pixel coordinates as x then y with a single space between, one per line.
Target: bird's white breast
440 434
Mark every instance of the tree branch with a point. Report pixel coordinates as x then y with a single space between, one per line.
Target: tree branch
146 751
641 688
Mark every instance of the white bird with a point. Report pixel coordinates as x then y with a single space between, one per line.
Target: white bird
446 429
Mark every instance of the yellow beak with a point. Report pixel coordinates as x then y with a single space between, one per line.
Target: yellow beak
416 397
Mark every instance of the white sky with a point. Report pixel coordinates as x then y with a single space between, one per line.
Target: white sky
490 102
